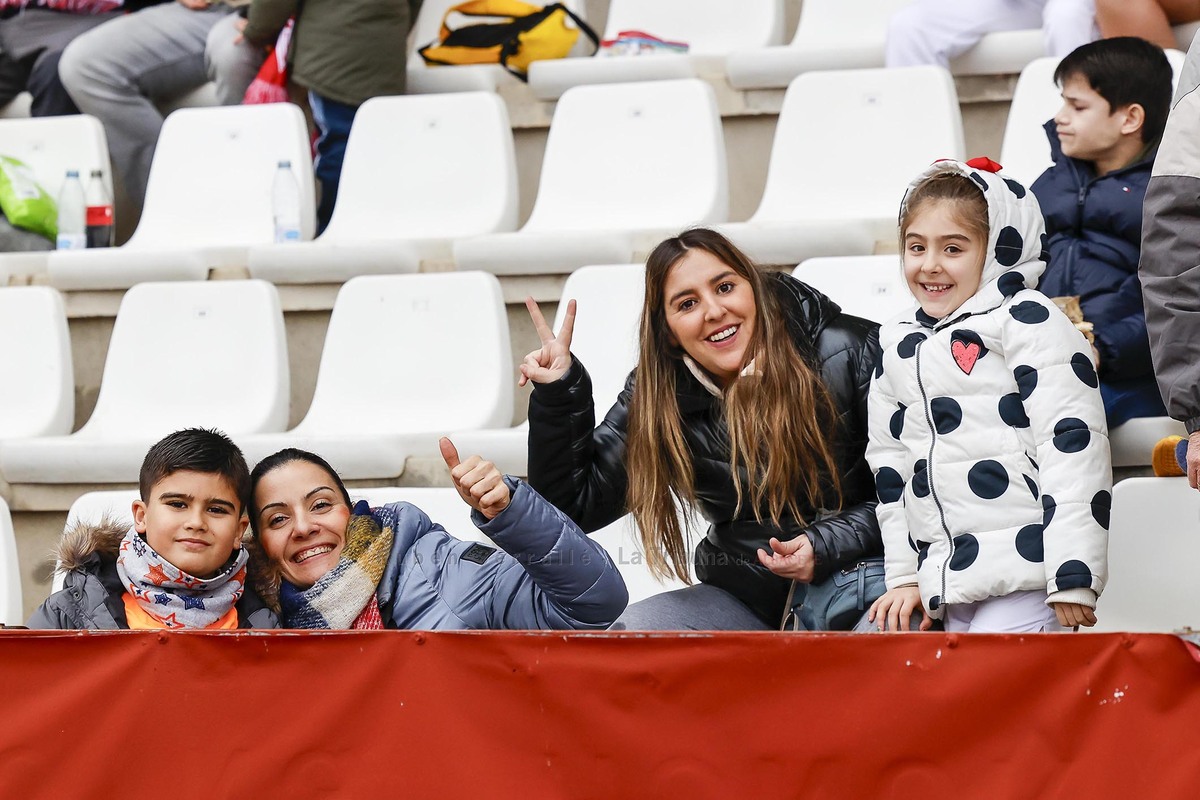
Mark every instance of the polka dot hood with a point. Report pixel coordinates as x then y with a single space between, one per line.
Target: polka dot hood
986 431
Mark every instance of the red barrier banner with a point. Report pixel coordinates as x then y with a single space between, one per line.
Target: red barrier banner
546 715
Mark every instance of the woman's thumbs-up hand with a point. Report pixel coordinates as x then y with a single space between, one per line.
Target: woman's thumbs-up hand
479 483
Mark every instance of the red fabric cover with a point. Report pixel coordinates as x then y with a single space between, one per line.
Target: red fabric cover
520 715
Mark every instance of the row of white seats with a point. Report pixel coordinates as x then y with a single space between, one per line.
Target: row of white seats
1145 591
741 42
434 177
406 359
441 504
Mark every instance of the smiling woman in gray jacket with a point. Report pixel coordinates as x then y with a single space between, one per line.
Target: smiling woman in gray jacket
340 565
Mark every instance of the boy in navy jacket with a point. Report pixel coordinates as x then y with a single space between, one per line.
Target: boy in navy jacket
1116 95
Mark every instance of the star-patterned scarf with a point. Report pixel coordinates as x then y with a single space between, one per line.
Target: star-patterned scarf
172 596
342 594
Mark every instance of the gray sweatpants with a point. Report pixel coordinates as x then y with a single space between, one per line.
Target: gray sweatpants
117 71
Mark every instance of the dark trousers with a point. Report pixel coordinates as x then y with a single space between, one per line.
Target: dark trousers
333 120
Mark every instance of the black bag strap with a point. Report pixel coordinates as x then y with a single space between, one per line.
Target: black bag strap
509 48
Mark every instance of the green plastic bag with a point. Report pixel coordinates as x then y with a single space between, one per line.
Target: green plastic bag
23 200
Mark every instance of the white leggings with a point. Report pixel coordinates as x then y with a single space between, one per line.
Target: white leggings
935 31
1019 612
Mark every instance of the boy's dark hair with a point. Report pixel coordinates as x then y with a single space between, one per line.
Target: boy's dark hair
197 450
287 456
1125 70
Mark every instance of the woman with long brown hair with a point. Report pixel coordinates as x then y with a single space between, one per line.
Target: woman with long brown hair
748 404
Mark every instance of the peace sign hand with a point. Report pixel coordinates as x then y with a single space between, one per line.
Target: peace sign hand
552 360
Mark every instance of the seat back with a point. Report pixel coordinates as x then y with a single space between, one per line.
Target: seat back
609 308
1025 151
50 146
194 354
634 155
709 27
877 129
1153 549
440 504
92 508
414 354
428 166
11 609
38 394
861 23
871 287
211 177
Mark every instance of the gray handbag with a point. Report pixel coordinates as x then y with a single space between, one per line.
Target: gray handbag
838 602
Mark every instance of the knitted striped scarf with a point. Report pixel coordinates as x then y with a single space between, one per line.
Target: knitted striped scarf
340 595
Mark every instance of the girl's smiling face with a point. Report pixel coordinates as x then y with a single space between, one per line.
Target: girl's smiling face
943 259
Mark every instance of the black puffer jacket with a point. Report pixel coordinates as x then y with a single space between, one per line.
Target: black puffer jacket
582 471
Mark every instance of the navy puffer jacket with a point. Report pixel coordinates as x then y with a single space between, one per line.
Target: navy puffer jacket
1094 226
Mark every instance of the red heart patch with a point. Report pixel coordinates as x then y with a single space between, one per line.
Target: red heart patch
965 355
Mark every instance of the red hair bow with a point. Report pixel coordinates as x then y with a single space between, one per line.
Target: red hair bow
984 163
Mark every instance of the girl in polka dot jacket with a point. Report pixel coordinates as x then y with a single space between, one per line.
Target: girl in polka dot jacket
987 432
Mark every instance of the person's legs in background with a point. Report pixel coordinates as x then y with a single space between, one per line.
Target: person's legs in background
116 72
1068 24
231 64
936 31
333 121
1149 19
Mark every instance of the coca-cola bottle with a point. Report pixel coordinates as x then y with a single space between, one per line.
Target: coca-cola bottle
99 212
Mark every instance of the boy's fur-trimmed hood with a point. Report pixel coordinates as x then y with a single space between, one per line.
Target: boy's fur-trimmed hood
83 541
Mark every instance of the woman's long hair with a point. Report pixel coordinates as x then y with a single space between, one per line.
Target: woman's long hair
780 420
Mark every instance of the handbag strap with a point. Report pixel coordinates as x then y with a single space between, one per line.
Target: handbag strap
511 48
788 611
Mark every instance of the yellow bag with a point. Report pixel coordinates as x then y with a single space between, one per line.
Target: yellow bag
526 34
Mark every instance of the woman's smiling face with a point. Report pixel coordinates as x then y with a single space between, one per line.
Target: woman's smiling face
302 521
710 313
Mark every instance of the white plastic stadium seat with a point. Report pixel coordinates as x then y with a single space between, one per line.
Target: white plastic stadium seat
1153 549
18 107
1025 152
95 507
625 165
407 359
182 355
208 198
1133 442
871 287
711 28
419 172
834 184
426 79
11 611
35 364
609 305
831 34
50 146
440 504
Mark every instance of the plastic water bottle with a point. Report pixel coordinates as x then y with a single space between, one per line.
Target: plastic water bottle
72 214
285 204
99 212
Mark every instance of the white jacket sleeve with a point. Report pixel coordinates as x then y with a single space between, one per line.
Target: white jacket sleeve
892 469
1057 380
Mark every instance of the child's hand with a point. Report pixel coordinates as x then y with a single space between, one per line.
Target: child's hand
1071 615
793 559
552 360
479 483
893 611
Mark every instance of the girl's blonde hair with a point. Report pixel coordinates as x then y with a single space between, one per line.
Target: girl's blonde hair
780 420
969 204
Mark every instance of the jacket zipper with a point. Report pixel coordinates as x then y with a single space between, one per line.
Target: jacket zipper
929 470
